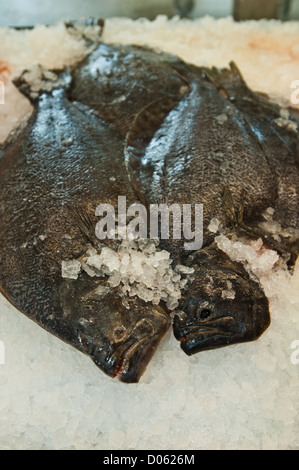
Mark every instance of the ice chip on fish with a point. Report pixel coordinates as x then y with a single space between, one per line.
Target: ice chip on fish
70 269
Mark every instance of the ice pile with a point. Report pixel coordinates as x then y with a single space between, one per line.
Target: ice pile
39 78
138 267
257 259
263 264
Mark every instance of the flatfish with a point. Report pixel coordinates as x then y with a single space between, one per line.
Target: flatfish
235 153
68 160
128 121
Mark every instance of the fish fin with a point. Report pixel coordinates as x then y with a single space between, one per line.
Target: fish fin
258 107
234 215
85 223
229 82
36 80
288 249
89 30
85 24
234 212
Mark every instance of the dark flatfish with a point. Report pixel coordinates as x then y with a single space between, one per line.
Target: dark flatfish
224 147
150 127
66 162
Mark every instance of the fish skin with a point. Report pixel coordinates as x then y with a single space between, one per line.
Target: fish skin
66 162
119 81
121 339
218 147
37 167
279 144
203 159
211 321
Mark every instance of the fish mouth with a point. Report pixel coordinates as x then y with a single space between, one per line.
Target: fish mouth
134 354
127 361
206 335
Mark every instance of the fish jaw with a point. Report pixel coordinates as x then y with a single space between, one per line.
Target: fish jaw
128 360
135 359
213 316
205 335
120 333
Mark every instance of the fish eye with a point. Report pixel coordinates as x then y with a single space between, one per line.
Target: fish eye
204 313
119 332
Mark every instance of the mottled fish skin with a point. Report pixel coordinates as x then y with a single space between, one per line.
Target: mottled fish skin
193 157
119 81
280 143
222 306
65 163
209 150
120 337
184 141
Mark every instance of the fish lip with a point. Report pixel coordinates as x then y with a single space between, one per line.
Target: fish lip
198 337
197 344
127 360
207 332
125 369
209 326
123 365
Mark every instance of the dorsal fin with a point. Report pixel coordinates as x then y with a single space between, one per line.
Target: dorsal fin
83 220
230 81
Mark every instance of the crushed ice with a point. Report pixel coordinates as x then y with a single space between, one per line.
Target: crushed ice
257 259
262 263
39 78
138 268
285 121
215 225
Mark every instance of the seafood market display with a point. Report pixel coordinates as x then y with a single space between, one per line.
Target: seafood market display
243 396
128 121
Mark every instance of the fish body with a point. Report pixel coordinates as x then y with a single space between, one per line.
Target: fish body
128 121
215 152
226 148
65 163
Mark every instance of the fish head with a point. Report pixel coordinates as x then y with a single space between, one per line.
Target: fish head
120 333
222 305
